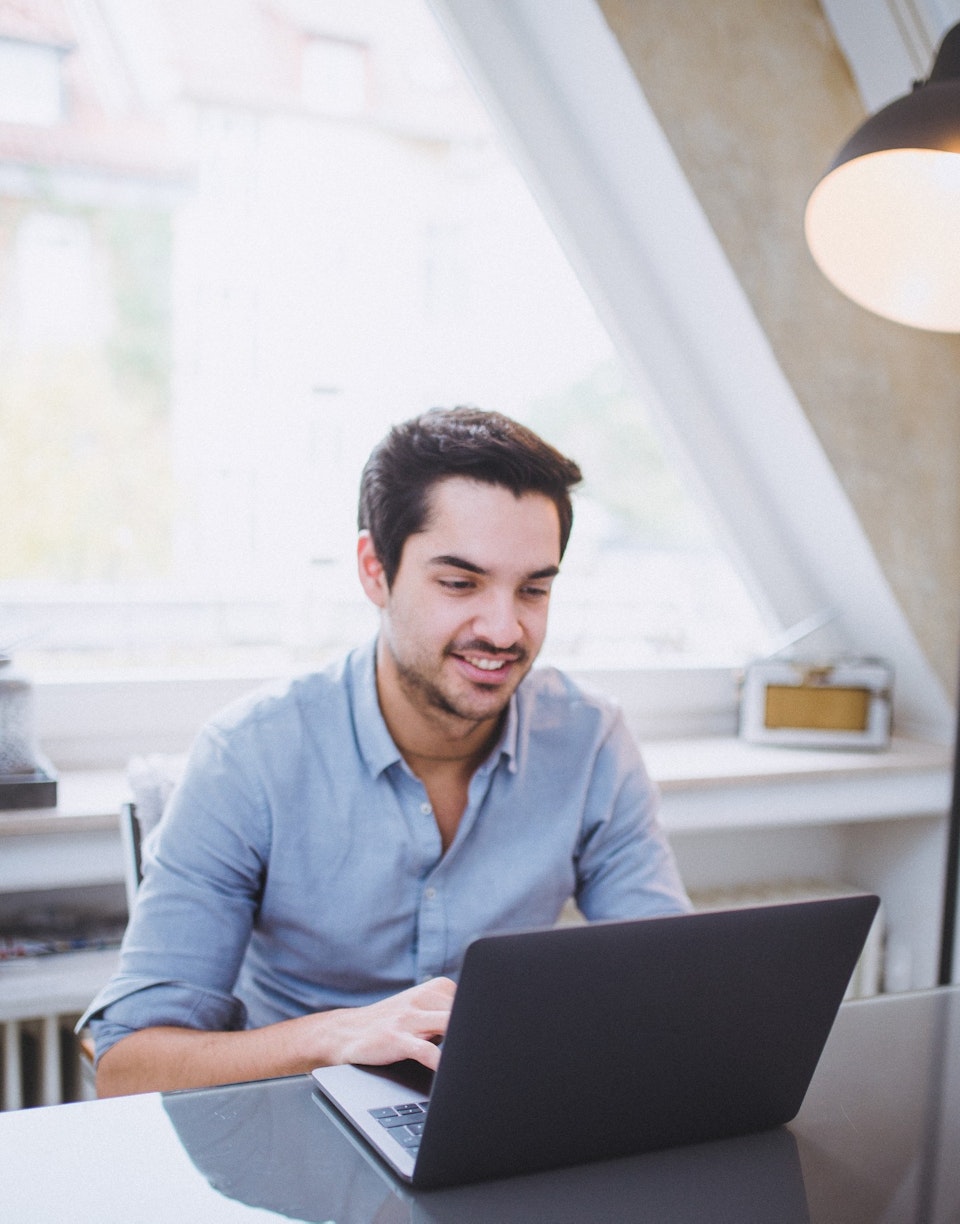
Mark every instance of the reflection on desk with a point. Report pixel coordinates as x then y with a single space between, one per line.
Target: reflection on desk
876 1140
245 1142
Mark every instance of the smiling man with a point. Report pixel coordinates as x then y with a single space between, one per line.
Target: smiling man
333 847
461 625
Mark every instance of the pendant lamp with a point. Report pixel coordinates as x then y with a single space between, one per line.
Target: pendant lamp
883 224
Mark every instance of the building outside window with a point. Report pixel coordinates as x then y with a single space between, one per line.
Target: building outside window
30 84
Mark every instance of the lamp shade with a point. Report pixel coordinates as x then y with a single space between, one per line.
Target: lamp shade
883 224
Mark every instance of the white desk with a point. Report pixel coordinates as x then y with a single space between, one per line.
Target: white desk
875 1140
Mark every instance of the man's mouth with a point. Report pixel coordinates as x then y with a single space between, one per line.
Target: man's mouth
485 664
493 666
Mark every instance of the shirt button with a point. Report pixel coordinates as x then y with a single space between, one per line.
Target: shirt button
429 893
426 809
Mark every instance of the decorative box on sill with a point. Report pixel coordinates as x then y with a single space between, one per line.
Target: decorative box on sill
26 779
37 789
845 703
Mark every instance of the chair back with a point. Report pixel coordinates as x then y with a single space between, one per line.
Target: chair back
130 839
152 780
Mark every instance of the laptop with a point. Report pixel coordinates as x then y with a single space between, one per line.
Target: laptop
581 1043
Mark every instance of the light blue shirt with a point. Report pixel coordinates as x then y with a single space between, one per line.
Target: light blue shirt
299 866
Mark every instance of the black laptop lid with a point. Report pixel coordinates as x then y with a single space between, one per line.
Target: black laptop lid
582 1043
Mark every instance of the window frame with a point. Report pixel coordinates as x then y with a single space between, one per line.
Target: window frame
566 100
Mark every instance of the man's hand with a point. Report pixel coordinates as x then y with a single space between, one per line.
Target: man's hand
405 1025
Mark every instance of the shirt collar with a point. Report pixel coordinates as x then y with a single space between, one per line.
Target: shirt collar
374 740
506 746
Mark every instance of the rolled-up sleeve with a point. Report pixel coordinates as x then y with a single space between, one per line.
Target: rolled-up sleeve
127 1005
203 871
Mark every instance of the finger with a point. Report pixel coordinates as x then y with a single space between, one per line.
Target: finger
427 1022
441 986
425 1052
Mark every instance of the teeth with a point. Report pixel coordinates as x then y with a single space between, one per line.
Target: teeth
488 664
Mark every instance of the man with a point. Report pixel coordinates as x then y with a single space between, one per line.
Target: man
333 847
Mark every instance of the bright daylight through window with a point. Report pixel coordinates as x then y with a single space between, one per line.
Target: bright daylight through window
237 240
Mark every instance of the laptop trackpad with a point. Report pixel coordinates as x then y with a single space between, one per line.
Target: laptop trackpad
408 1074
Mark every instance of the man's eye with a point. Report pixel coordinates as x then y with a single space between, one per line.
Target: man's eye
456 584
536 592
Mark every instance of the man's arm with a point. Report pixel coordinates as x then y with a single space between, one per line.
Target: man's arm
626 868
406 1025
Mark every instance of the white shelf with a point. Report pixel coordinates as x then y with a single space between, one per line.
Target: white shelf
75 844
727 760
736 813
710 785
743 814
53 985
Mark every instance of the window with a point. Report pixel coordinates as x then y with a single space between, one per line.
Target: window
84 419
56 301
29 83
334 78
198 381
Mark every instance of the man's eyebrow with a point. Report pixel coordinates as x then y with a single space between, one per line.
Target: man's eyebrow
549 571
457 563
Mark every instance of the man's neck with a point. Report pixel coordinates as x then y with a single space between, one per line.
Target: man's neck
441 749
437 743
430 739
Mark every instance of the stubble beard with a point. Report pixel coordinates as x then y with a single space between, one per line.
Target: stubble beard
422 691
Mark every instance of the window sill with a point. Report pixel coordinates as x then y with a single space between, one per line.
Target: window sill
723 782
707 783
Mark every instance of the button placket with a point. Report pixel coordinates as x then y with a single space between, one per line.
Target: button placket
431 931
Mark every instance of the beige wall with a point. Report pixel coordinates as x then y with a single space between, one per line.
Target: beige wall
756 99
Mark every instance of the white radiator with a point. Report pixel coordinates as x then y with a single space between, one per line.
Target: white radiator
40 1062
40 999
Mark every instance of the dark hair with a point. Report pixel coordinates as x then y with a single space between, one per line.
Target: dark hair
486 446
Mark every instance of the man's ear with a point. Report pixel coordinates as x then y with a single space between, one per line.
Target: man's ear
372 576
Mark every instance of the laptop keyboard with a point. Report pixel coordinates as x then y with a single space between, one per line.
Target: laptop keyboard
404 1122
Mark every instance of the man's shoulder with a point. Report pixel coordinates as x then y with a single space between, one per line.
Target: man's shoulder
550 694
568 726
324 695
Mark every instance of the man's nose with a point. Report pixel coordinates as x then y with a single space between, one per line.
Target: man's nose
498 620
